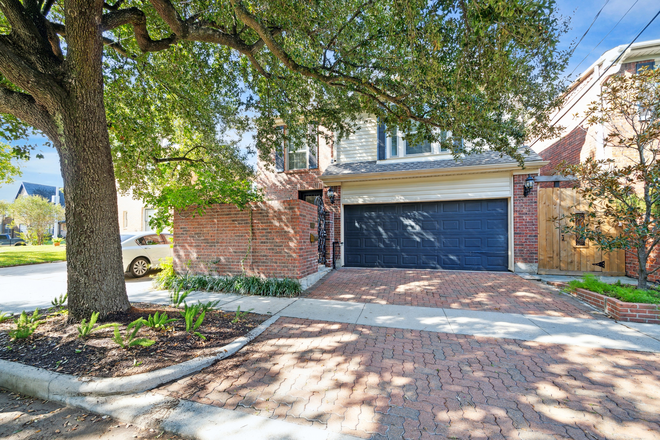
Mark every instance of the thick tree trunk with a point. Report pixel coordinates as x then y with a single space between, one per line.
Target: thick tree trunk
94 263
642 272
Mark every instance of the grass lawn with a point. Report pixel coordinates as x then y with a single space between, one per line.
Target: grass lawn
626 293
18 255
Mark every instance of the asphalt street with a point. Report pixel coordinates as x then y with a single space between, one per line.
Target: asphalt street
27 287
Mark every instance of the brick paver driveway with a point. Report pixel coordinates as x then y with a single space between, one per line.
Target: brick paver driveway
488 291
386 383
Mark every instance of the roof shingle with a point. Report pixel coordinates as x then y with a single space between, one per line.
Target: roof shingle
372 167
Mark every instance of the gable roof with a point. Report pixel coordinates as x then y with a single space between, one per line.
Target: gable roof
37 189
489 159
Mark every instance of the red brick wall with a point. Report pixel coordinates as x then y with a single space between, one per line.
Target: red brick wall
568 150
217 241
632 265
285 186
525 222
616 309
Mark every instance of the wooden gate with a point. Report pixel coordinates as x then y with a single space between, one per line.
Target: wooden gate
563 253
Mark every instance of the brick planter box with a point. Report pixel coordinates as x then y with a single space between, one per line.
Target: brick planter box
617 309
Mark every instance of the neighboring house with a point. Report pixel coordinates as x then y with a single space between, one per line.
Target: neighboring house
579 141
50 193
133 214
413 206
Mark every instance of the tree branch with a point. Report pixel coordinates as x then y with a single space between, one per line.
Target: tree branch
138 20
41 86
25 108
176 159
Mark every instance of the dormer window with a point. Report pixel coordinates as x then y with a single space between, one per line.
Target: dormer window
298 155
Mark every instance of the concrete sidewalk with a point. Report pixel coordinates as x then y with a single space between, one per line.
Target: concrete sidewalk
592 333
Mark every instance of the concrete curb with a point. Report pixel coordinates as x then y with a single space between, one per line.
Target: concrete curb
49 385
196 420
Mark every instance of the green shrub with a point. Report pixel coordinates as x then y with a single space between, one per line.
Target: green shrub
166 276
4 317
623 292
242 284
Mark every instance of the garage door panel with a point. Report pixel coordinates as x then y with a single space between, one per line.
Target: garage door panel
469 235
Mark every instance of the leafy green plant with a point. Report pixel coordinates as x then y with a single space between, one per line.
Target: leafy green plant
627 293
189 313
4 317
245 285
240 315
26 325
209 306
166 276
158 321
59 301
86 328
177 297
131 339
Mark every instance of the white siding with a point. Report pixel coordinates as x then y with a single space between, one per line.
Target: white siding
360 146
460 187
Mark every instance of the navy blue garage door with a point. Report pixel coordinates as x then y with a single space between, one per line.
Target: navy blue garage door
460 235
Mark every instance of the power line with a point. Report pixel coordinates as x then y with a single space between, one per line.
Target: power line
590 26
607 35
601 75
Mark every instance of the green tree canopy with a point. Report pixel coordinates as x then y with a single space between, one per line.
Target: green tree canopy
161 90
36 214
624 193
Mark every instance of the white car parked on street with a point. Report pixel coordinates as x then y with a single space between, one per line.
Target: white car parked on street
143 250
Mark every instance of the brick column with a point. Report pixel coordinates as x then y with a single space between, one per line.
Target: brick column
525 226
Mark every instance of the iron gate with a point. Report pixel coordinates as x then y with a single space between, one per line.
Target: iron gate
321 230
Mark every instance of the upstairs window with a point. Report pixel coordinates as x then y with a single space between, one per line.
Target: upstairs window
398 146
298 155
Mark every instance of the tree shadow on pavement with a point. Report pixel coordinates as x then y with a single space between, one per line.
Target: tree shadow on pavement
376 382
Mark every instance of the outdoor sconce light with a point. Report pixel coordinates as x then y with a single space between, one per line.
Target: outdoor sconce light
331 195
529 185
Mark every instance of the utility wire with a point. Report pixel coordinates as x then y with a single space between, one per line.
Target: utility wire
590 26
608 34
601 75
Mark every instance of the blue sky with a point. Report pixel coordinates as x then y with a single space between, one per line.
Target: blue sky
582 12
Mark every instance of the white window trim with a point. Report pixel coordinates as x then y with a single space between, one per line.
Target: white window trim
306 150
401 149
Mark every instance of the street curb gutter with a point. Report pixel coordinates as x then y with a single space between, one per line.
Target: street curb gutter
49 385
198 421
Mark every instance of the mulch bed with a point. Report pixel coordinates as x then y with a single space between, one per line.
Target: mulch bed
55 345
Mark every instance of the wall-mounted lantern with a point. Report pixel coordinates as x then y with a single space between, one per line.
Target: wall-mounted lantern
331 195
529 185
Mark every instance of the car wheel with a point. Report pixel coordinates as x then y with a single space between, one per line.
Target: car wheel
19 244
139 267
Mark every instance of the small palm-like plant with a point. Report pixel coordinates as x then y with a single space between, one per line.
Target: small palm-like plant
131 339
158 321
86 328
189 313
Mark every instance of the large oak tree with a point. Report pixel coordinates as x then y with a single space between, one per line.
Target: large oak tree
145 92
